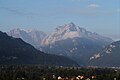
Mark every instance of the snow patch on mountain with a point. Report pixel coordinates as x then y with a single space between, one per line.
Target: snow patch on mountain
71 31
96 56
107 51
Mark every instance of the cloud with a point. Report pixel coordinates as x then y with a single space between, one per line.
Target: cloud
12 10
76 0
93 5
79 0
118 10
15 11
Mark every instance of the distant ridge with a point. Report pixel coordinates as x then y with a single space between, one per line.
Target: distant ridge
108 56
33 37
74 42
70 30
16 51
68 40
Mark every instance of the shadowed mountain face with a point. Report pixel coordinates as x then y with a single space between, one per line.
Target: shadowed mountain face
16 51
109 56
74 42
68 40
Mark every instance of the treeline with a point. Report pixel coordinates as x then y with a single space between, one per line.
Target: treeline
30 72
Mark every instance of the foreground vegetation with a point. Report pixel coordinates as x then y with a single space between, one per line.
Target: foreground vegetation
29 72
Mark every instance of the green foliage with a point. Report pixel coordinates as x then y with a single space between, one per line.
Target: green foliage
16 51
30 72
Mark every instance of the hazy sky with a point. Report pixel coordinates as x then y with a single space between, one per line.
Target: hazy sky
101 16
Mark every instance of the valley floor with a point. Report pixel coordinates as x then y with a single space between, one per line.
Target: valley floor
37 72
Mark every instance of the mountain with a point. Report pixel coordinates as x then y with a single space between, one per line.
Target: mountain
68 40
16 51
32 37
109 56
71 31
74 42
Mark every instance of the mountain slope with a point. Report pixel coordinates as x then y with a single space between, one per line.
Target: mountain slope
72 31
16 51
109 56
74 42
32 37
68 40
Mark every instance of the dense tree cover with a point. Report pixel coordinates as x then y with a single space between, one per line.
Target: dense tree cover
30 72
16 51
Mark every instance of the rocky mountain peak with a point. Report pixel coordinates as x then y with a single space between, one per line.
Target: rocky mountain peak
67 27
34 37
71 31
